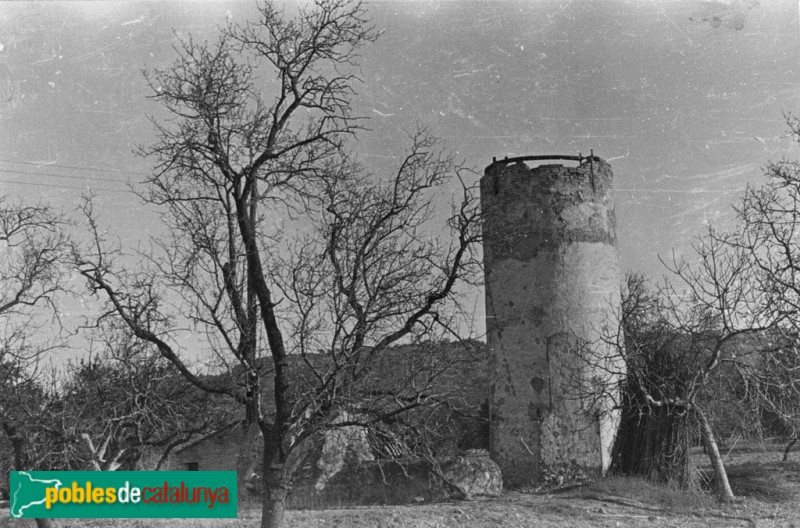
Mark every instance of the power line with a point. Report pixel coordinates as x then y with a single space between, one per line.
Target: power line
87 188
97 169
97 178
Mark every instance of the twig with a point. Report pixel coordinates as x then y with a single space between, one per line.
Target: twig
528 449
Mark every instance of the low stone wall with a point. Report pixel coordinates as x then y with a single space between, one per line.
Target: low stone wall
411 481
364 484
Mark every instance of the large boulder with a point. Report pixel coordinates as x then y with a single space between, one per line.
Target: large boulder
468 476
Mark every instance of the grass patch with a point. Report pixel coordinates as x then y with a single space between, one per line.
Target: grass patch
764 481
651 493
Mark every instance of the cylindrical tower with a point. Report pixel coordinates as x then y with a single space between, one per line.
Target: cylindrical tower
552 294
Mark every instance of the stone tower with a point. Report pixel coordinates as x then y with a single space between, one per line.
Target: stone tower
552 293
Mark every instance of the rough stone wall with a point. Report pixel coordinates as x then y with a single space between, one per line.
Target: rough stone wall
217 452
552 286
467 378
462 373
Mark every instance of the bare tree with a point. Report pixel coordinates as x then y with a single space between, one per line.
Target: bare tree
769 232
765 389
736 306
128 399
279 246
682 340
721 302
33 249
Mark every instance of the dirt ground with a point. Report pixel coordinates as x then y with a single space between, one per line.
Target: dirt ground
768 493
768 490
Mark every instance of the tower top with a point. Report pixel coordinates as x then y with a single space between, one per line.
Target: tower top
497 163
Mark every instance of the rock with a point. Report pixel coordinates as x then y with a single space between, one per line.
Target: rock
465 477
253 483
349 441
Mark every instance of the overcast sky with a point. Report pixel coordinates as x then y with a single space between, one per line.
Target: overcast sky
684 99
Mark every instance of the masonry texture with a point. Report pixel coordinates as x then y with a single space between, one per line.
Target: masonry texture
552 292
347 477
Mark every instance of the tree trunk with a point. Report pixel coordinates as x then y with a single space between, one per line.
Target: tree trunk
18 449
17 446
272 510
654 445
274 499
724 491
277 480
247 462
789 447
